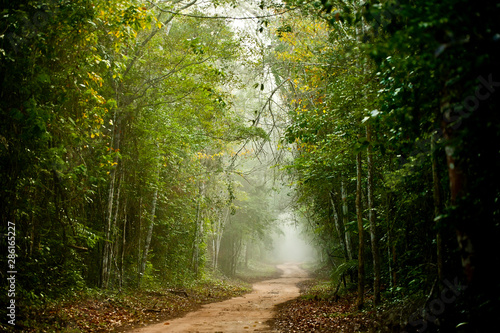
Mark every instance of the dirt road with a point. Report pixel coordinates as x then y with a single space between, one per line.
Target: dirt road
240 314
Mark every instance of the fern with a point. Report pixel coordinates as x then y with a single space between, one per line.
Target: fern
343 269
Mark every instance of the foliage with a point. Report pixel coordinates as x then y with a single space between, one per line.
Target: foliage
130 137
413 76
116 140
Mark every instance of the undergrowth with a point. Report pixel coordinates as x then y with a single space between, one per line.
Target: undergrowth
94 310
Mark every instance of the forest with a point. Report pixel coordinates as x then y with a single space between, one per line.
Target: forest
163 147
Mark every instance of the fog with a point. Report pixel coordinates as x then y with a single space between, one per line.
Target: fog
291 245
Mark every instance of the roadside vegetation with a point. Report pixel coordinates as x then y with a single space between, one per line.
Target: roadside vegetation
96 310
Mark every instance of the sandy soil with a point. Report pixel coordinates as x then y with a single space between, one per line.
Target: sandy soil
240 314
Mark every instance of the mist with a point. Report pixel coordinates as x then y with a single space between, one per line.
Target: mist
291 245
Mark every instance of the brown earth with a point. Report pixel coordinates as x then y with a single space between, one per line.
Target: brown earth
248 313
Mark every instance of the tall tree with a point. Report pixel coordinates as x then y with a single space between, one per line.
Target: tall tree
372 216
361 233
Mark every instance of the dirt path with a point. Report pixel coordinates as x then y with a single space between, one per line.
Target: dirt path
240 314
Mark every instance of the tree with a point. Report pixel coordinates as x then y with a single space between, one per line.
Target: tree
325 123
117 112
361 232
372 217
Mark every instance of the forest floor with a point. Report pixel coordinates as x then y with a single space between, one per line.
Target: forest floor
322 307
122 311
317 310
262 298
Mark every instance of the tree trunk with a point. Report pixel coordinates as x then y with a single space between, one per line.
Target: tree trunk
106 262
152 215
247 253
345 220
113 246
361 253
457 184
139 245
198 230
437 207
372 220
124 241
338 226
110 229
391 246
149 235
107 235
218 236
